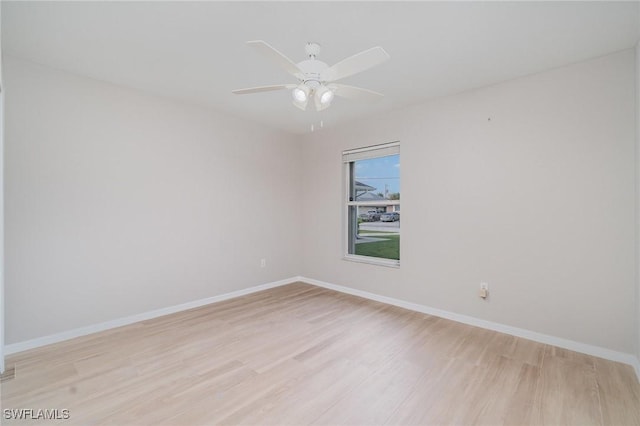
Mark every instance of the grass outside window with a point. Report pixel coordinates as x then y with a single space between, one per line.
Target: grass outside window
387 249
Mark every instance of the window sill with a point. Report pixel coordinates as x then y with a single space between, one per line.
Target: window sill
389 263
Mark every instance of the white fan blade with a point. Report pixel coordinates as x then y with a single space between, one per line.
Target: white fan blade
356 93
354 64
278 58
263 89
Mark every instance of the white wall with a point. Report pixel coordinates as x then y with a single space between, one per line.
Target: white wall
528 184
637 91
118 203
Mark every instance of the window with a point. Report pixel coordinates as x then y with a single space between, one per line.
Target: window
372 204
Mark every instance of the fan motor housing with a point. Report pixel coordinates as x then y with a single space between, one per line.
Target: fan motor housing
312 70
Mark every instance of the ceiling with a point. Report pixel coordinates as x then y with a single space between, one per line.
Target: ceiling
196 52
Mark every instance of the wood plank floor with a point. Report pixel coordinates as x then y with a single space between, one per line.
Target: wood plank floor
300 354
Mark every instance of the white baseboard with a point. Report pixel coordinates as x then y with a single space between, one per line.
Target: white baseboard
83 331
596 351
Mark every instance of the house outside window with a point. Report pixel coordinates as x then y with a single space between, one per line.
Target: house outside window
372 204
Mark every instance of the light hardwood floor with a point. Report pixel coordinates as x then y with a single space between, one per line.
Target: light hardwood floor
300 354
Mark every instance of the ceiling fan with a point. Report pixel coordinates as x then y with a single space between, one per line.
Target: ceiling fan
316 79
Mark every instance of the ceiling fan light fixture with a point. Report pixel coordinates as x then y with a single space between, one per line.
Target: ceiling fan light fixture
300 96
326 97
323 97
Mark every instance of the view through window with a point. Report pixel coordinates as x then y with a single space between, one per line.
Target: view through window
373 203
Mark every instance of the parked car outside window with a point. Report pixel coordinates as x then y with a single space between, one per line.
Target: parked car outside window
390 217
370 216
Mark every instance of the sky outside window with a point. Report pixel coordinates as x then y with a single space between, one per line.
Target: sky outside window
382 173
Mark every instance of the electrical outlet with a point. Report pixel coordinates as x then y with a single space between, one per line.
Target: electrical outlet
263 263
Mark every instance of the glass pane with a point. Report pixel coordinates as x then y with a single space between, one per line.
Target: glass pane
374 229
377 178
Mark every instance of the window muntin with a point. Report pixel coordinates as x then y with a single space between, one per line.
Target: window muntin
373 204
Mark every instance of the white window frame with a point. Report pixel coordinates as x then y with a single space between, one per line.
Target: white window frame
348 157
